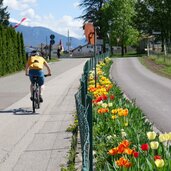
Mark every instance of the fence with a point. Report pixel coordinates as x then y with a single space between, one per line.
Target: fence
84 112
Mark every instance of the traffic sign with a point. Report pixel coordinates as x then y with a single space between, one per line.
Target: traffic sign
52 41
52 36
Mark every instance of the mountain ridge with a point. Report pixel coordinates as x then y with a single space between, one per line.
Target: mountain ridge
34 36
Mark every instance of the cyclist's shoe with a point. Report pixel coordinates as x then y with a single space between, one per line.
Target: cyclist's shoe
41 99
31 98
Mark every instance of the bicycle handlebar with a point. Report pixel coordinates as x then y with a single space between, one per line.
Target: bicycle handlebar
45 75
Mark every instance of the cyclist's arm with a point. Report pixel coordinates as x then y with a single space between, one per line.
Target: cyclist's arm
48 68
26 68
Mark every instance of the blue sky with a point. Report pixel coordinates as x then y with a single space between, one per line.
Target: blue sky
57 15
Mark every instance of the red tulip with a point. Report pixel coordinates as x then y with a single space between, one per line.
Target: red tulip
104 97
112 97
136 154
157 157
144 147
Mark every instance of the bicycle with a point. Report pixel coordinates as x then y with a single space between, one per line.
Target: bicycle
36 94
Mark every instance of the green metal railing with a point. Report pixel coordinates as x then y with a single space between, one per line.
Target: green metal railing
84 112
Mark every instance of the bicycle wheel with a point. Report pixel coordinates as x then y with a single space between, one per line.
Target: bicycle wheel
37 97
34 99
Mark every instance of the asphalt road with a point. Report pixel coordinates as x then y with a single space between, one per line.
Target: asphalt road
38 142
151 92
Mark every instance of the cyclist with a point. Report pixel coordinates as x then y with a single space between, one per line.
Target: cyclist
34 67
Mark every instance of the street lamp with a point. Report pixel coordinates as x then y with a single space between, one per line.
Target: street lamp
164 41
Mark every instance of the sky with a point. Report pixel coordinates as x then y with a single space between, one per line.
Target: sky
57 15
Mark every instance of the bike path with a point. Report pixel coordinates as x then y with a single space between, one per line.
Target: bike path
39 142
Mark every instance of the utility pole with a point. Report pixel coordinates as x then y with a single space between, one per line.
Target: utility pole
68 41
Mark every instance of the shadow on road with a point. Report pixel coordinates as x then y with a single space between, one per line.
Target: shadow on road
19 111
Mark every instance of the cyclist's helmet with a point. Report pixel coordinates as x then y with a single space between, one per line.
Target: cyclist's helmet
35 53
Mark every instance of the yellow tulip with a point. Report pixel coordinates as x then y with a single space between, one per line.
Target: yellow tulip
159 163
151 135
169 136
114 111
114 116
164 137
154 145
126 123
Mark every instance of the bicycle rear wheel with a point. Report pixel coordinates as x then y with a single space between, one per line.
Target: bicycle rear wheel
37 97
34 101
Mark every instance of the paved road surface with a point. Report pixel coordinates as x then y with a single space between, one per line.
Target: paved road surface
38 142
151 92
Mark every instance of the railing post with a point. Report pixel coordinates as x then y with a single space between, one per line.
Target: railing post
90 122
82 92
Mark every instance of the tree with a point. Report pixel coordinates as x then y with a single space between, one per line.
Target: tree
154 15
121 17
93 12
4 15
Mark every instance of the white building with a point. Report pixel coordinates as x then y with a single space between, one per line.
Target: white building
83 51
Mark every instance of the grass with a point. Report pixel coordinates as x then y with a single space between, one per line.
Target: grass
53 59
159 64
73 149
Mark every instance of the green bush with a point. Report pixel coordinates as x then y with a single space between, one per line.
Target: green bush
12 52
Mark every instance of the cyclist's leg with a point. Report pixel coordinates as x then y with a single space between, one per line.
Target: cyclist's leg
41 85
32 81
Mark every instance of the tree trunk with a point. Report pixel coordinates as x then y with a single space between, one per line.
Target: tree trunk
122 46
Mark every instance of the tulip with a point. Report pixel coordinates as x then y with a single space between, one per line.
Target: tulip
159 163
151 135
126 123
109 137
144 147
110 104
104 105
113 151
114 116
136 154
157 157
112 97
169 136
123 133
122 162
125 112
154 145
163 137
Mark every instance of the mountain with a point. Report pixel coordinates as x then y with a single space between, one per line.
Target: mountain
34 36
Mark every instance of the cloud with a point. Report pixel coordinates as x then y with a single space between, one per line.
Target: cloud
30 13
25 8
76 4
29 1
68 23
60 26
15 5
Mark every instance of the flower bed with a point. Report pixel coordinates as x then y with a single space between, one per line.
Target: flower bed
123 139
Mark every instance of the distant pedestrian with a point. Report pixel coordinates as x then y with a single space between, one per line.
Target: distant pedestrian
59 52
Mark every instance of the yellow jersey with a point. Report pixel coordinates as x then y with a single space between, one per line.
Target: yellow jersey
36 62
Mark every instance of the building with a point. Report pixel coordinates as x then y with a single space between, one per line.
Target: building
83 51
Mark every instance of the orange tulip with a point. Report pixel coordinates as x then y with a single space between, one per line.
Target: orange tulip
113 151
